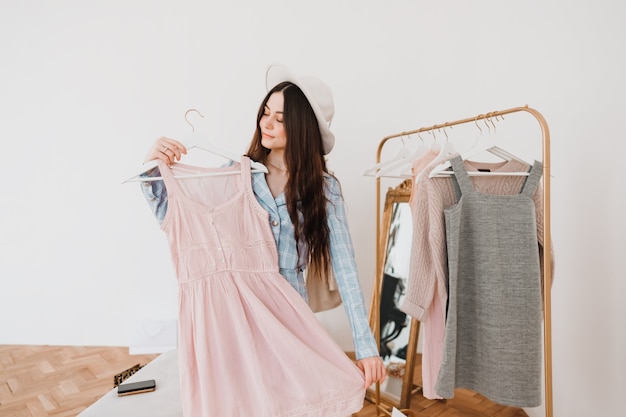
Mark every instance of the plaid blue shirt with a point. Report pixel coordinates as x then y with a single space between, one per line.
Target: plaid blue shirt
292 268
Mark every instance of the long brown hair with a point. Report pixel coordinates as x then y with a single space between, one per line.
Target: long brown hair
306 165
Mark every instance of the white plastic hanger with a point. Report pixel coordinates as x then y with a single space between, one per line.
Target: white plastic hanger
198 141
444 153
447 148
394 169
400 155
480 146
405 169
488 144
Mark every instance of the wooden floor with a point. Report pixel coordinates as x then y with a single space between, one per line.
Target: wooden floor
41 381
62 381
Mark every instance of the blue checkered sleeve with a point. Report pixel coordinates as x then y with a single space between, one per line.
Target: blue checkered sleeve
155 194
346 274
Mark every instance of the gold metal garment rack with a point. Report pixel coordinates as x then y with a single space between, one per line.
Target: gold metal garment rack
547 253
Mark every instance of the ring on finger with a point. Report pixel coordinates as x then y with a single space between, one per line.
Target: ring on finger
165 149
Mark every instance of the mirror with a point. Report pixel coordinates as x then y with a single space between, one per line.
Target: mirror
398 332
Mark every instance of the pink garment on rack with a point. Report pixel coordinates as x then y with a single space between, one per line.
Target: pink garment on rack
432 343
422 162
248 343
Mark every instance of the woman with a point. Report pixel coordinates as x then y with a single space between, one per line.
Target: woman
292 138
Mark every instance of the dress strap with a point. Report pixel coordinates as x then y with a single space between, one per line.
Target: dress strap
461 175
168 177
530 186
246 175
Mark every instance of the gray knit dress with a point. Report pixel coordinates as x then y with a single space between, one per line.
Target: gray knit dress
493 325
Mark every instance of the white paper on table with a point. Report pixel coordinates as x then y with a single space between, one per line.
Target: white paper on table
397 413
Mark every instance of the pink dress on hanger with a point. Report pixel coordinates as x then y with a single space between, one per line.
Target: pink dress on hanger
248 344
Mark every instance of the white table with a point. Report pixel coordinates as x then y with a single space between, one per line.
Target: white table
163 402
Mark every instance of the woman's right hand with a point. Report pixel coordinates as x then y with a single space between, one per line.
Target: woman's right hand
167 150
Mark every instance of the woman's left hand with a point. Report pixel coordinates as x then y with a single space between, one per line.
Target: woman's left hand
373 369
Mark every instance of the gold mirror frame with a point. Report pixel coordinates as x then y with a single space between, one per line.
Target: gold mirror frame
399 194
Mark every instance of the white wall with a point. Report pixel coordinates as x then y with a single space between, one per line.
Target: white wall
85 87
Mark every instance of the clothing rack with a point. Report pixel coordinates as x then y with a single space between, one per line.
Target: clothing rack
547 245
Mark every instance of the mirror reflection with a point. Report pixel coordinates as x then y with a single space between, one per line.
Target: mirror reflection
398 332
394 323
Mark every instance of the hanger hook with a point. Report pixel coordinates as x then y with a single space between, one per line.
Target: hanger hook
402 135
444 132
420 136
445 125
476 123
193 129
491 121
485 122
432 132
